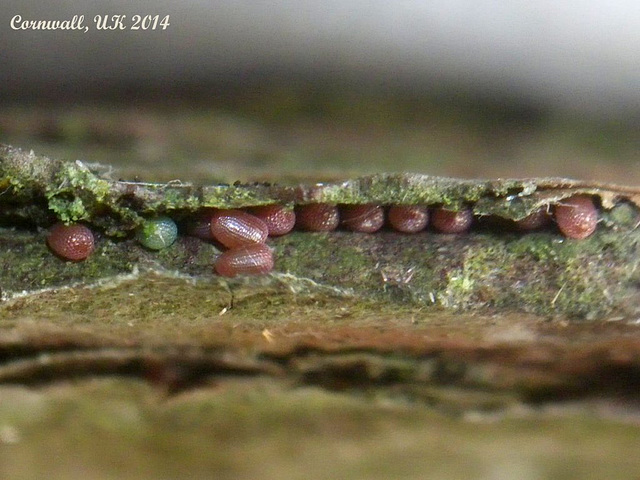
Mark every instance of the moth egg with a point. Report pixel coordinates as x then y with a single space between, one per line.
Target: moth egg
279 219
362 218
234 228
157 233
317 217
449 221
577 216
534 221
408 218
73 242
252 259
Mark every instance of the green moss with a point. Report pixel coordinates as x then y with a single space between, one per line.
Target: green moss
74 191
68 210
622 216
27 264
321 258
468 284
540 272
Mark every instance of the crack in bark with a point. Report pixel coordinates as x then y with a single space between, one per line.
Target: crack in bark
533 374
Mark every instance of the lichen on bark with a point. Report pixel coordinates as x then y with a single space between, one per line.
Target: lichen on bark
491 268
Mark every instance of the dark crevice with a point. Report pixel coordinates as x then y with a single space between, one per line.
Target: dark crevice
559 375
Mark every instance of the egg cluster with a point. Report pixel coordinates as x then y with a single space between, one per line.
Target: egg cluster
243 233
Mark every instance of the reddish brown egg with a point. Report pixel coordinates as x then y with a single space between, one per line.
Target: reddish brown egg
71 242
200 224
234 228
408 218
317 217
577 216
448 221
279 219
252 259
362 218
534 221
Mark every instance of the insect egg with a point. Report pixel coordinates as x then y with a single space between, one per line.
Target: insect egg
157 233
280 220
73 242
534 221
408 218
234 228
577 216
317 217
200 224
252 259
448 221
362 218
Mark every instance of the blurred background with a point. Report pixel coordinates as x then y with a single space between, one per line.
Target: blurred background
304 90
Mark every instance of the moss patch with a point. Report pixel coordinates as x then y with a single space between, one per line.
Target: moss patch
541 273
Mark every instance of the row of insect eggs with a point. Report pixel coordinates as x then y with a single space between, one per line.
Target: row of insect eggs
244 232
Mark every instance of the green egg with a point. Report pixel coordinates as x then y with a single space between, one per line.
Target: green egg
157 233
